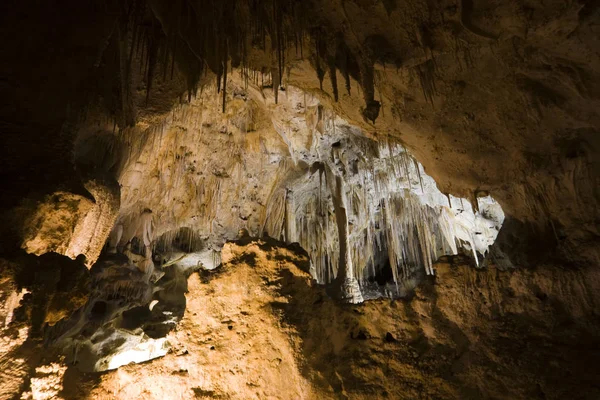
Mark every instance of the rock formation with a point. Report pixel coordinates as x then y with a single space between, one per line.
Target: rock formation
434 159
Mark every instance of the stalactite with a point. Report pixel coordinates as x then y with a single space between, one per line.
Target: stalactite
143 56
474 202
165 61
333 77
279 41
219 81
275 81
225 59
319 50
412 225
371 110
153 44
173 56
342 61
426 73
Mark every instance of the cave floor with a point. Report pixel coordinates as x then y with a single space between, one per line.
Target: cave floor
259 328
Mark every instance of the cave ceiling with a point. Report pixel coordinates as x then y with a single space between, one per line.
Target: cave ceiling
367 147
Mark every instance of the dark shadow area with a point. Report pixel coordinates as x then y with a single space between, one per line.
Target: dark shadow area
440 342
56 287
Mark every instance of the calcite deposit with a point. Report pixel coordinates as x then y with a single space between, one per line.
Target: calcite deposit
299 199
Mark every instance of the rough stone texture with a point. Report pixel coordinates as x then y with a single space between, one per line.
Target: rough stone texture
260 328
71 224
53 222
492 97
13 334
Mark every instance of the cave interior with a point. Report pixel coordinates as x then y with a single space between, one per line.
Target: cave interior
318 199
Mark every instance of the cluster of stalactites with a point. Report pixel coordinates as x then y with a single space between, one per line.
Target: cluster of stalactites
122 236
392 208
193 37
200 35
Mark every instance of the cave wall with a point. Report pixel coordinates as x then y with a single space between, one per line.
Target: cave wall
491 97
472 334
291 169
101 101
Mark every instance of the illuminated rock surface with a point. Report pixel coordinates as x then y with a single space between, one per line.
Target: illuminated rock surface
412 187
259 327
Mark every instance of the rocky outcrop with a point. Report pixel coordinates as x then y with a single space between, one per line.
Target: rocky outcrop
259 327
295 171
71 224
490 98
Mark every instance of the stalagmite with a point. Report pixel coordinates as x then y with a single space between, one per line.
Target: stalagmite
345 279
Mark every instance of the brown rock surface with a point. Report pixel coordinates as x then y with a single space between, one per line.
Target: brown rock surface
198 109
496 97
259 328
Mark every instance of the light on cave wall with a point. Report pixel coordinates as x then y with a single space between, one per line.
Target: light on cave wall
143 351
307 176
394 212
